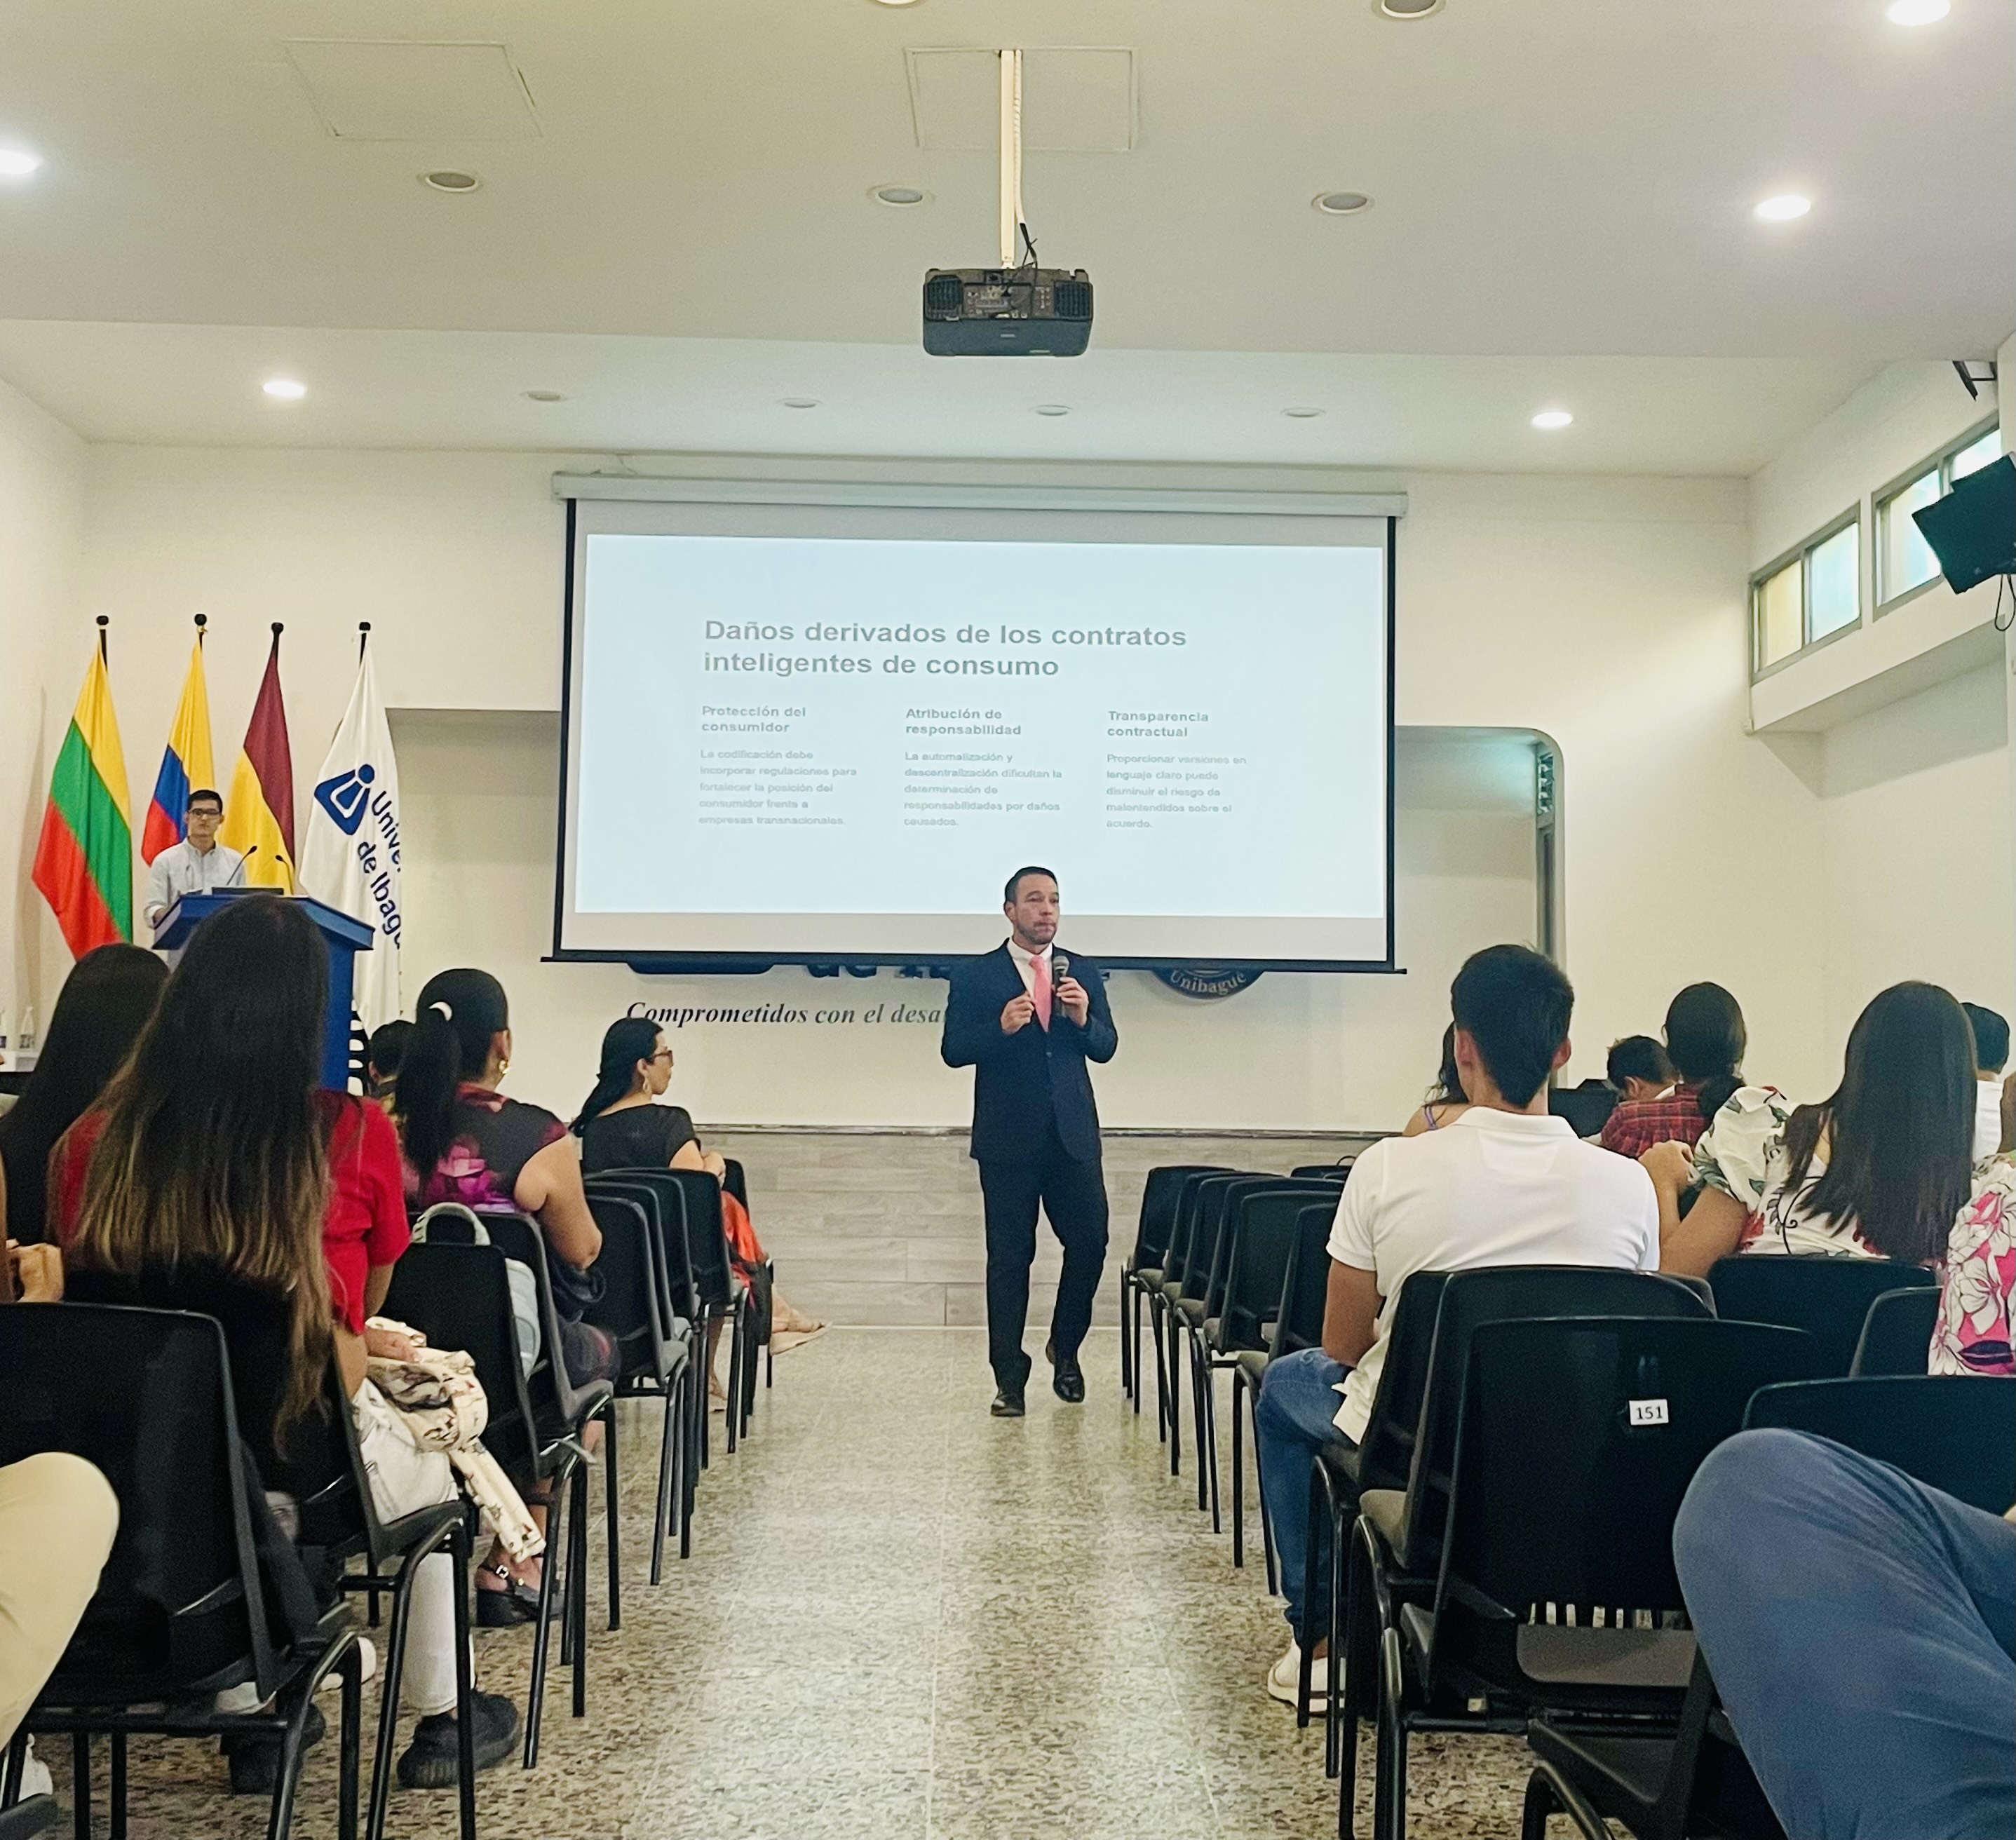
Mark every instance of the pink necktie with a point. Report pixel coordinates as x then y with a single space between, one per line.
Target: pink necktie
1039 987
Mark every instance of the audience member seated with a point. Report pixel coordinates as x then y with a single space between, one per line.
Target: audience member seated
1505 1184
1882 1168
1446 1099
464 1141
622 1126
1860 1628
1992 1093
383 1053
1637 1068
216 1159
1705 1039
104 1004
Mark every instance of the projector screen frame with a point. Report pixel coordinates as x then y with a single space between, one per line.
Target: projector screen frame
673 964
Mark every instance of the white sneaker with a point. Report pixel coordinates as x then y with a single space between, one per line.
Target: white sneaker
1284 1679
35 1777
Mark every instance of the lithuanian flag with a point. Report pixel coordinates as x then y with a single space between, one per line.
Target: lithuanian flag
84 861
259 809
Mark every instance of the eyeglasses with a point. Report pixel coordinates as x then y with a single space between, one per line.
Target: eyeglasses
664 1054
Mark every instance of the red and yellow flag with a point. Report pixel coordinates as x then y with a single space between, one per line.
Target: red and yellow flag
259 808
84 861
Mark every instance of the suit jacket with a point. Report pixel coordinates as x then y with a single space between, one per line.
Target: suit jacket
1022 1081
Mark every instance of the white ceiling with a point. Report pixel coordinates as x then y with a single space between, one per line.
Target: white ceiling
1563 194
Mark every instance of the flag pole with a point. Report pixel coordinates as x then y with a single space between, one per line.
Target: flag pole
202 621
363 638
104 656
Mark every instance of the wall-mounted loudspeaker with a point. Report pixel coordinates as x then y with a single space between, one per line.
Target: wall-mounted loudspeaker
1972 530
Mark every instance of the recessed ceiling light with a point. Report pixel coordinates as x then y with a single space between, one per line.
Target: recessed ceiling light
452 181
1782 207
895 3
901 196
1053 409
285 389
1916 12
1303 412
1341 204
1552 418
798 401
1410 9
17 163
543 396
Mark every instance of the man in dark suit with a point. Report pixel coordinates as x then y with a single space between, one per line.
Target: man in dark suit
1026 1018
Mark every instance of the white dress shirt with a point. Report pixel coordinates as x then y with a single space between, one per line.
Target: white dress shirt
180 870
1987 1116
1025 963
1491 1188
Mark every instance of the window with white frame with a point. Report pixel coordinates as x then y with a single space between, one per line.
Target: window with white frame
1808 596
1904 560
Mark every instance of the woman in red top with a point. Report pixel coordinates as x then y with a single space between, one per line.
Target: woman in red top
215 1151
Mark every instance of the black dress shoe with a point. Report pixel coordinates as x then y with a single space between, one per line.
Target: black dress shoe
1008 1402
1067 1382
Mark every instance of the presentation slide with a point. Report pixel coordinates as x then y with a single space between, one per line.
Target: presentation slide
840 745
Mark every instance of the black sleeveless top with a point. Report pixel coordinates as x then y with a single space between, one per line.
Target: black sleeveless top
638 1137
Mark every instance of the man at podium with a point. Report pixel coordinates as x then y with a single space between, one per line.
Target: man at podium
199 865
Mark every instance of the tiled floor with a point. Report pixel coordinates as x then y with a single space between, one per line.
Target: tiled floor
903 1619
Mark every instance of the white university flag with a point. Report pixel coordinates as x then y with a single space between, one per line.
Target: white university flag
351 858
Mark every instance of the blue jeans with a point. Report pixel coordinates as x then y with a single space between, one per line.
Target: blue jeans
1861 1629
1294 1420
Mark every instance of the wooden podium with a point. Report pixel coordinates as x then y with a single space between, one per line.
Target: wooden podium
344 937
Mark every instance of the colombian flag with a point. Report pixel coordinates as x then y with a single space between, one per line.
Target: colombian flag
185 763
84 861
259 809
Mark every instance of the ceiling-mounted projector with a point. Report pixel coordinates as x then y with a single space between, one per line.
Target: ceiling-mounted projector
1007 312
1016 310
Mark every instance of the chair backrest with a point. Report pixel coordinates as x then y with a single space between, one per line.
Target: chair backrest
1587 1107
1189 1262
459 1297
735 1180
1211 1247
1258 1266
632 1306
1387 1452
1953 1431
706 1237
1827 1296
1896 1334
518 1236
1577 1438
1191 1195
1298 1317
1233 1224
145 1396
1159 1196
1338 1171
1497 1293
665 1213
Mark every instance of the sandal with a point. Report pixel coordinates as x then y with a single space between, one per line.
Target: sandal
513 1603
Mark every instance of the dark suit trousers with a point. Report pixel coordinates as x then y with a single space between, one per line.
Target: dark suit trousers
1073 1195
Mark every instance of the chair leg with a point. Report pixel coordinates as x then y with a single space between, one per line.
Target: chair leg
675 1408
1238 1469
577 1580
80 1785
536 1699
118 1790
689 1465
610 1498
10 1762
280 1821
350 1743
1547 1789
1260 1499
1130 1330
1200 1412
733 1416
388 1704
1389 1819
1207 1421
465 1687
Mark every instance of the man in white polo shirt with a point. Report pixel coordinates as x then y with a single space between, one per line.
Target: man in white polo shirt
1503 1184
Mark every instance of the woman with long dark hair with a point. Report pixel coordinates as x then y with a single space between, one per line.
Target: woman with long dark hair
1705 1040
104 1004
1882 1168
464 1141
1445 1099
623 1126
217 1169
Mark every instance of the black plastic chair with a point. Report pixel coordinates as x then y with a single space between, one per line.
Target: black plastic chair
1257 1269
1956 1432
1395 1544
1576 1439
665 1215
182 1607
723 1297
1192 1196
1587 1107
458 1297
27 1820
1339 1171
1897 1333
654 1349
1827 1296
1141 1269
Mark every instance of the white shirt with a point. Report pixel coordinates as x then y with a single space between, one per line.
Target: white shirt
1491 1188
180 870
1987 1116
1025 963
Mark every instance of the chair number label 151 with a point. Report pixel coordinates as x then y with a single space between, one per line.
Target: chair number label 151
1649 1412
